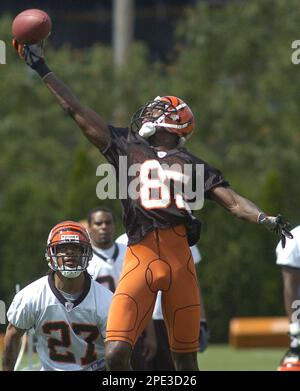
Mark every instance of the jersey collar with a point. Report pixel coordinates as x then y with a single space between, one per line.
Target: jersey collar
114 256
62 299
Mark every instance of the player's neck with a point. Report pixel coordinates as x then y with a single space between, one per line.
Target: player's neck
163 140
69 285
157 144
103 246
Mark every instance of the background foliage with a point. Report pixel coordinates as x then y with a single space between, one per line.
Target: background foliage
233 66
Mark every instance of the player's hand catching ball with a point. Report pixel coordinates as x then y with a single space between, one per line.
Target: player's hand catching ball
30 54
33 56
30 28
278 225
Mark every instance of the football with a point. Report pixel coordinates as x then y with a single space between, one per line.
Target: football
31 26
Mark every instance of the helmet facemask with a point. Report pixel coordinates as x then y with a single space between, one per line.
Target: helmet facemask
67 271
161 112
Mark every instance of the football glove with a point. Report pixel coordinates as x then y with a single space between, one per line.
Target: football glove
33 56
278 225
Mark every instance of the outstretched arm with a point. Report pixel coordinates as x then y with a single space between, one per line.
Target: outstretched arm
236 204
92 125
247 210
11 347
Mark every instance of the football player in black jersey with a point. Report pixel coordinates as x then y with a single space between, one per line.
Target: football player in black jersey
159 225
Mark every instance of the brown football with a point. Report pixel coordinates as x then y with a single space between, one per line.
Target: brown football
31 26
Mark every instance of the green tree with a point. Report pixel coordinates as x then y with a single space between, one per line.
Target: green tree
234 69
47 168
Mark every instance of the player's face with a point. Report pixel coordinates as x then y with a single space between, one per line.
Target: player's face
102 229
152 114
69 254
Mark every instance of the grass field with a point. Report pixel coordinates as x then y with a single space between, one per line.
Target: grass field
225 358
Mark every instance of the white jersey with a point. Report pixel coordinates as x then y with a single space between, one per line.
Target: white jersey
290 255
157 312
70 335
106 265
122 239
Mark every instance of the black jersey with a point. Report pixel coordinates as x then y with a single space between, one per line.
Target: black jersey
150 209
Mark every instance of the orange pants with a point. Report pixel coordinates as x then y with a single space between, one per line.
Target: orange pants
161 261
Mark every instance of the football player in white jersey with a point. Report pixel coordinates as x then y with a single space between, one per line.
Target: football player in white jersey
106 266
289 260
107 262
66 308
162 359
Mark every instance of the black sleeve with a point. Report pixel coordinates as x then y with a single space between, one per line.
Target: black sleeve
212 178
117 146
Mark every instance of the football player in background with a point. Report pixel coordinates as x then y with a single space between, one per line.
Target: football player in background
289 260
159 229
67 309
108 256
106 266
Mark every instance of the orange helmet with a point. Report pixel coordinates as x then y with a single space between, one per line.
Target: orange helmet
290 366
290 362
69 232
168 112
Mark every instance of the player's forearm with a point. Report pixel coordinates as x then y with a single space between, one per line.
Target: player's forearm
245 209
10 353
93 127
288 301
66 98
239 206
291 289
290 295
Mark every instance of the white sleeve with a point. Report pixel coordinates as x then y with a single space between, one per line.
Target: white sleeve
290 255
105 305
122 239
21 312
196 254
92 270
